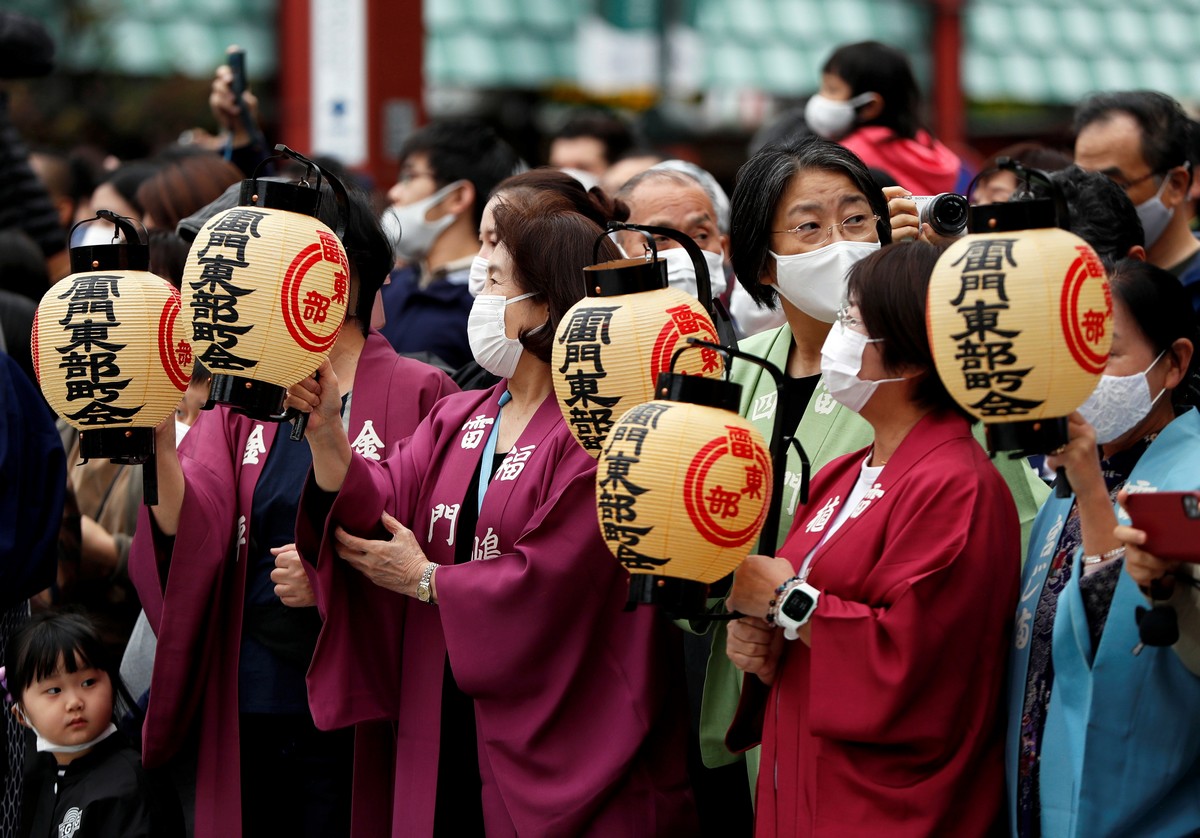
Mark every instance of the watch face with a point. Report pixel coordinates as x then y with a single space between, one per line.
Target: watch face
797 605
423 592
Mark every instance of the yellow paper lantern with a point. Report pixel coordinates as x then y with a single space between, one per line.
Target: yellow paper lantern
110 352
682 490
265 289
611 345
1020 324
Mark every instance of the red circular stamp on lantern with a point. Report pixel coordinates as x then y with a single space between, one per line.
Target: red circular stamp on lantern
726 488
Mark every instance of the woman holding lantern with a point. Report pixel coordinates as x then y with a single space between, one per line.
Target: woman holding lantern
804 213
1102 737
899 569
525 700
213 560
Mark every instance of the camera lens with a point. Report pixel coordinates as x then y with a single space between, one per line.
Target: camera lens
947 214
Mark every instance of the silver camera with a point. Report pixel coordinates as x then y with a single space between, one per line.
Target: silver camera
945 213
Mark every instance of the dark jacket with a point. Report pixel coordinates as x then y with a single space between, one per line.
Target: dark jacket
105 794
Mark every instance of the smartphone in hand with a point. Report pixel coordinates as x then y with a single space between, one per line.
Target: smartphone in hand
1171 521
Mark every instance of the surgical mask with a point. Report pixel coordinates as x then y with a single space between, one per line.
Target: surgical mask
493 349
841 361
409 233
1119 403
815 282
477 277
1154 215
681 273
833 118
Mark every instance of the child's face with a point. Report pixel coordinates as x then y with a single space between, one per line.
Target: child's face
69 708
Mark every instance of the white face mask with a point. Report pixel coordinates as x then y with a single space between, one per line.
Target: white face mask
477 278
1154 215
409 233
841 361
833 118
1119 403
681 273
493 349
44 745
815 282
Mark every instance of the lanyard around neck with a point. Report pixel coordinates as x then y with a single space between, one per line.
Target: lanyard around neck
489 451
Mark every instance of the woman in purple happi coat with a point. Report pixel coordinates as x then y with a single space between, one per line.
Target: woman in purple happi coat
523 699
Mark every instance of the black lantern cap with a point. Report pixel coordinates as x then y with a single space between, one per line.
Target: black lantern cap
132 254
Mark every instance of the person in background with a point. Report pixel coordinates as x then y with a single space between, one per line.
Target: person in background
998 185
184 183
634 162
869 102
1101 733
1141 140
590 141
447 171
880 627
668 198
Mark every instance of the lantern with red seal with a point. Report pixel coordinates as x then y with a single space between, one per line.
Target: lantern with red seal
611 345
265 289
683 489
1020 325
110 350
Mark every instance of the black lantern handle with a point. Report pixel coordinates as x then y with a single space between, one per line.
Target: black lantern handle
613 226
122 223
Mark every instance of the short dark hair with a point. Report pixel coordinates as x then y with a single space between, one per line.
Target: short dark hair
594 203
612 132
1166 130
1162 309
761 182
1101 213
555 272
50 636
464 149
890 288
873 67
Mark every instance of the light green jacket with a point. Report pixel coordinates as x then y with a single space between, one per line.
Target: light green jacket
827 431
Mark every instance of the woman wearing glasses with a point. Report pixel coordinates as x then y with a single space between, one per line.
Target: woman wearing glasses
803 214
876 640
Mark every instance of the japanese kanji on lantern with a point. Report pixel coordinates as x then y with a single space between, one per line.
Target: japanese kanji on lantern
109 348
265 291
611 345
1020 325
682 491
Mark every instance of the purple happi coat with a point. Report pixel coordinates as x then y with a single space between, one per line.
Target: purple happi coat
579 707
196 608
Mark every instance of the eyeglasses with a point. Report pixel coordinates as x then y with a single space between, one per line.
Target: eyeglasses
1129 184
409 175
856 228
852 323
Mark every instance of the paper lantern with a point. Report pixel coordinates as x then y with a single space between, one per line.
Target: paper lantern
612 344
265 290
682 490
109 350
1020 324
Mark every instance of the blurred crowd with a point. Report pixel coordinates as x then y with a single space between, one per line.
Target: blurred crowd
393 628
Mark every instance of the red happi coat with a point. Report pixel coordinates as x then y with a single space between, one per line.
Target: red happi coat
196 608
890 724
579 707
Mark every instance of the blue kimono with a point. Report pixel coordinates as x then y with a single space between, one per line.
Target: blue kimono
1120 753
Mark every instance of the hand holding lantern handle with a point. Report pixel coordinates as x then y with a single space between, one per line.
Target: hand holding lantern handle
317 397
